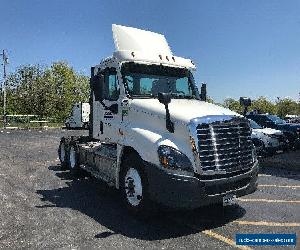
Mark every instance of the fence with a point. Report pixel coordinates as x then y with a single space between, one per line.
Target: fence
28 121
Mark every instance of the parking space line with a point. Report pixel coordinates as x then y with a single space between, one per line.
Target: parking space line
224 239
213 234
267 223
268 175
266 200
279 186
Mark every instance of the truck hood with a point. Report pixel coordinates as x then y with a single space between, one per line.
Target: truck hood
268 131
182 110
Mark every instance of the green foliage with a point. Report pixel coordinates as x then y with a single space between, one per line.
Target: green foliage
287 106
233 105
46 91
263 105
210 100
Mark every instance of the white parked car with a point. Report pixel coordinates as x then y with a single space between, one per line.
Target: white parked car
268 140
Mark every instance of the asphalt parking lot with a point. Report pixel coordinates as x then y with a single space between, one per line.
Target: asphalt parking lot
42 206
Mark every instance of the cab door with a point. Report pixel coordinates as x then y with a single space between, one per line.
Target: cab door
110 117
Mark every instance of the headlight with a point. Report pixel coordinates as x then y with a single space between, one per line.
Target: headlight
171 158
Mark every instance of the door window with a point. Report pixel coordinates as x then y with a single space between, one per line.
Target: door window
112 86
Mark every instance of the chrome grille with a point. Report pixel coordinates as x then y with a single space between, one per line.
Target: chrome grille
225 145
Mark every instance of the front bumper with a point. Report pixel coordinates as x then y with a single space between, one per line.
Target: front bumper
191 192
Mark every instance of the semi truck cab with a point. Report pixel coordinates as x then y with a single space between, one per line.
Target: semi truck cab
153 138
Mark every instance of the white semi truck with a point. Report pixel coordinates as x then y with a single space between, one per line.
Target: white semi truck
153 137
79 117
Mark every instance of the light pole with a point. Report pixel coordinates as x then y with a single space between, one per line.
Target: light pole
5 62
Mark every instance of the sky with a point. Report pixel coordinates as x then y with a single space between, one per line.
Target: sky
240 48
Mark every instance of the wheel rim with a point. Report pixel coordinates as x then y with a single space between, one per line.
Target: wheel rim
72 157
62 152
133 187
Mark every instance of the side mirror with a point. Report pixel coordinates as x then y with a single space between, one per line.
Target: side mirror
97 83
164 98
245 102
203 92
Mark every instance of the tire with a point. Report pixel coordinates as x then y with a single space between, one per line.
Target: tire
134 187
63 153
73 162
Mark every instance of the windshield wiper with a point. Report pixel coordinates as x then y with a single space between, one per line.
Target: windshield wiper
143 96
177 96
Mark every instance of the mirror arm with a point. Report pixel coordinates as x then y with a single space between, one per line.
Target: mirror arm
165 98
169 123
103 104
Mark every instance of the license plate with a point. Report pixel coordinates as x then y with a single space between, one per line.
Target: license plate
229 200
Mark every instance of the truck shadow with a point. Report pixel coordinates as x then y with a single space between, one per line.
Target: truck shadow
101 203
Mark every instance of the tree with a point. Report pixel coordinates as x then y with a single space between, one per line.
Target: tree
210 100
24 90
67 88
262 105
233 105
287 106
48 92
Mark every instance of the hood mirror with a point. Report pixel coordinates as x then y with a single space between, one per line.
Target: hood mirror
164 98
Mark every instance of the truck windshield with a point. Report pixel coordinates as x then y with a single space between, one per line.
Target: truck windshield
276 119
146 81
254 125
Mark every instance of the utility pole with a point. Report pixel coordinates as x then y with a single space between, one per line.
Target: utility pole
5 62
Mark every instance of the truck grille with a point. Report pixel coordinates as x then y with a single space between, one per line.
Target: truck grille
225 145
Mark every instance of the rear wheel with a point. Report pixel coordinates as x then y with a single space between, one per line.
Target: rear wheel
63 153
74 160
134 187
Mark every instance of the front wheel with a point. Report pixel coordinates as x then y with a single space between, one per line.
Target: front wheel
133 187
